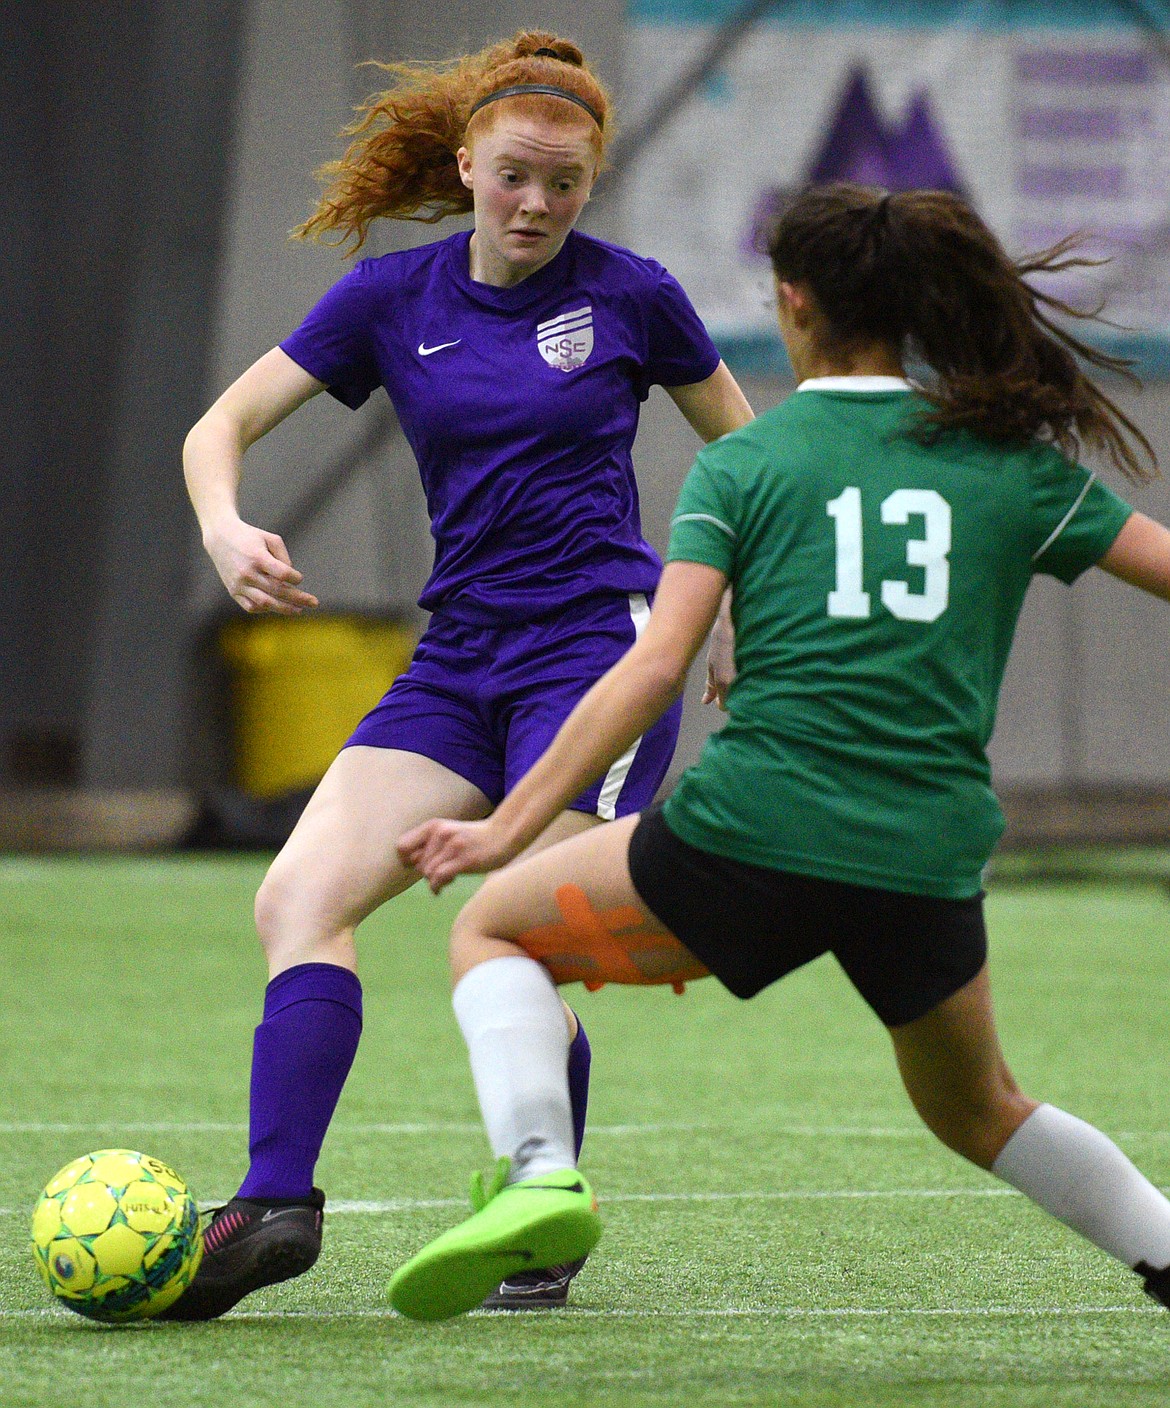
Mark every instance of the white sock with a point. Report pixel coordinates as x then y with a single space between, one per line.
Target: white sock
514 1024
1081 1177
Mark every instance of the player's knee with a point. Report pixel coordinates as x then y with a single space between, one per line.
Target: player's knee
460 945
284 908
469 944
977 1124
270 906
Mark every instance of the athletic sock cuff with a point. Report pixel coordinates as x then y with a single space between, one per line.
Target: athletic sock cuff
499 991
313 982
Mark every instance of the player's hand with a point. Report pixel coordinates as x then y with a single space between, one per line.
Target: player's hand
441 850
720 661
256 569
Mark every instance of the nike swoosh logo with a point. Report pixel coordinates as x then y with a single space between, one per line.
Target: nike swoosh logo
425 351
273 1213
577 1187
519 1251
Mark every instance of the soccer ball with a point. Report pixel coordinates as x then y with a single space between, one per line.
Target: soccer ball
116 1235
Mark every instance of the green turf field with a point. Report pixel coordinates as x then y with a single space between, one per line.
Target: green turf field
778 1230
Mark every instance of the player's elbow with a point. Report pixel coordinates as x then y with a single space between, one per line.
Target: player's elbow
662 676
220 429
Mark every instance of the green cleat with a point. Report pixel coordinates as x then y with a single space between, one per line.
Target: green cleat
539 1222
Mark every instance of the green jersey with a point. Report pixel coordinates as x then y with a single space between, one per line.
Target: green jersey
877 583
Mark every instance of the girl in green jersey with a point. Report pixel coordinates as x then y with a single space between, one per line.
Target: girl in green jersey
879 538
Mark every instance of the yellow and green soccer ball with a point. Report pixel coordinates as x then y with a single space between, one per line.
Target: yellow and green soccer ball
116 1235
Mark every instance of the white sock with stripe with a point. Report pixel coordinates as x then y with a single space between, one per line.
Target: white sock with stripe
513 1021
1081 1177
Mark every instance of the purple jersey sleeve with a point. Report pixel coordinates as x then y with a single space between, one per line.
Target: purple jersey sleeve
680 351
335 342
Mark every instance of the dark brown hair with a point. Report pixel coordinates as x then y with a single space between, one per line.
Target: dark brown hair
921 271
401 163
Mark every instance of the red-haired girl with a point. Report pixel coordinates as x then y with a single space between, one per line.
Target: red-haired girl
517 357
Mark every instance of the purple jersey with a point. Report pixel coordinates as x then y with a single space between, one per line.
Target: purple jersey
521 405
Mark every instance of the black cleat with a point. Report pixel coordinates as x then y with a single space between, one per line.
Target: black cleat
535 1290
248 1244
1155 1283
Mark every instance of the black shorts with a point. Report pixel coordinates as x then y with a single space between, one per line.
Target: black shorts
751 925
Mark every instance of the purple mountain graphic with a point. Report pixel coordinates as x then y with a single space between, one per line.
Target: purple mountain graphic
862 146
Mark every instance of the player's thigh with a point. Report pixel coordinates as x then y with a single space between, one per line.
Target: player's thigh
954 1048
955 1073
341 860
574 908
562 828
524 894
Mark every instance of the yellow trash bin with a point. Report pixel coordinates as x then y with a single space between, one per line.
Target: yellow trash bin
299 686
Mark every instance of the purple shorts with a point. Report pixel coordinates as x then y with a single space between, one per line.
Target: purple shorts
486 701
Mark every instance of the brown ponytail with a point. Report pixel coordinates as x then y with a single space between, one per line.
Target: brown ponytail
921 271
401 163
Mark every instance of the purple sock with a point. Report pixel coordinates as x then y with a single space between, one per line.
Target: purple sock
301 1056
579 1059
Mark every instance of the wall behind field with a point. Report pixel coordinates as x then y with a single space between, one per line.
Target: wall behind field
175 273
1083 698
115 147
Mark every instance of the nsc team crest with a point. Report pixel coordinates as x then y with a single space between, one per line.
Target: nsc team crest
566 341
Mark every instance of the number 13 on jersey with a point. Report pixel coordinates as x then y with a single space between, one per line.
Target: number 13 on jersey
849 599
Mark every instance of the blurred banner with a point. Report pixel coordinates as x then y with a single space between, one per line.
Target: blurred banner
1049 115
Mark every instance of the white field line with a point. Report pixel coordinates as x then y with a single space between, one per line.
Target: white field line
424 1128
345 1207
778 1312
768 1195
379 1207
376 1207
220 1127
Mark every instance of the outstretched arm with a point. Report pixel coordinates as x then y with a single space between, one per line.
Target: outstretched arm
254 565
1140 555
619 708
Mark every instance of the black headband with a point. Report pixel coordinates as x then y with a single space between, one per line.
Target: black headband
518 89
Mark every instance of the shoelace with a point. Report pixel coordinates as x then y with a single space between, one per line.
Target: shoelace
545 1277
220 1227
